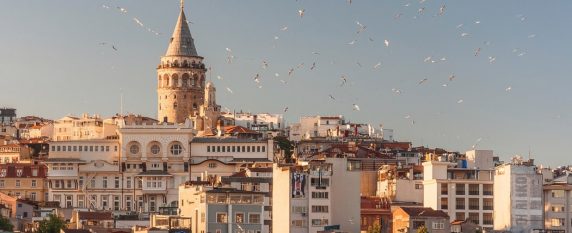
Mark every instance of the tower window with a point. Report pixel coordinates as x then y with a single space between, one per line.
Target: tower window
175 105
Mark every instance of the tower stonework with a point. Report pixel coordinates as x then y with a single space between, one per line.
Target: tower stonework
181 76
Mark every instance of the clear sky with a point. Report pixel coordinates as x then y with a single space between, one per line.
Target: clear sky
52 64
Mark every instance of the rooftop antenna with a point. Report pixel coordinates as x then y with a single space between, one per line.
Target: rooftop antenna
182 4
121 101
529 152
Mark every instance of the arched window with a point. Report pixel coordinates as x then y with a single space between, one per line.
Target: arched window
185 80
195 106
176 63
175 105
185 63
165 80
176 148
195 80
175 80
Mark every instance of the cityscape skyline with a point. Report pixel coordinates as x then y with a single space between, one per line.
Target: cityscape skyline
115 54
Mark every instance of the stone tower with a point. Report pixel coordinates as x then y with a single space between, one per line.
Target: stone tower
181 76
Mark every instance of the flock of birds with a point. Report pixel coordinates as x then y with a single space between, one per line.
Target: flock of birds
361 28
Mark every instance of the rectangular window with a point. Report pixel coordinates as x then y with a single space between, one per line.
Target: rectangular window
254 218
473 204
233 148
208 148
263 148
317 182
117 182
444 203
90 148
557 208
460 215
418 186
17 183
74 148
558 193
243 149
460 189
319 209
248 149
105 182
488 189
80 148
106 148
1 183
320 195
438 225
487 204
80 200
69 184
227 148
460 203
128 203
223 149
473 189
116 205
92 183
319 222
104 201
257 148
33 196
34 183
487 219
221 218
239 218
128 185
474 217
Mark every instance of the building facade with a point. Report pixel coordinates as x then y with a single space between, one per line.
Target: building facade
23 180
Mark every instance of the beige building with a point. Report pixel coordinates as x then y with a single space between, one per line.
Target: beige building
78 128
401 184
316 194
317 126
518 197
409 219
463 193
557 198
23 180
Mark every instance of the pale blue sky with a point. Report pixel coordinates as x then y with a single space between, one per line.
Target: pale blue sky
51 64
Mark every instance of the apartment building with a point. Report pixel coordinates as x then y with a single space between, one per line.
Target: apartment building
557 196
518 197
462 192
315 195
317 126
404 184
410 219
23 180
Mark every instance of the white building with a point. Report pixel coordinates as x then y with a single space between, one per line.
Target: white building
518 197
317 126
215 157
307 198
557 202
401 184
463 193
258 121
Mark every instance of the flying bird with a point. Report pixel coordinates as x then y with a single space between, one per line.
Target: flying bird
492 59
257 78
219 77
477 51
313 66
229 90
352 42
509 88
344 80
396 91
332 97
460 101
386 42
229 50
284 28
355 107
465 34
451 77
442 10
113 47
377 65
422 81
301 12
290 71
285 109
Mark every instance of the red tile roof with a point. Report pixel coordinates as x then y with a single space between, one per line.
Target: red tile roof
84 215
27 168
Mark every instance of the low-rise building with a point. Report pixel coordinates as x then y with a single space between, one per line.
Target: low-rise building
557 196
409 219
375 211
24 180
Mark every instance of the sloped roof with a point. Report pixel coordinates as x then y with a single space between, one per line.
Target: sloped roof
424 212
84 215
182 43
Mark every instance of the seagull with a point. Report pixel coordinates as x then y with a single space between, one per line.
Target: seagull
264 64
301 12
284 28
421 10
443 59
371 39
459 26
332 97
290 71
386 42
355 107
105 6
451 77
465 34
422 81
407 116
444 85
316 53
477 22
285 109
284 82
229 90
406 5
122 10
113 47
531 36
229 50
492 59
442 10
276 37
219 77
313 66
257 78
377 65
361 27
352 42
276 74
460 101
427 59
396 91
509 88
349 2
477 51
476 143
344 80
359 64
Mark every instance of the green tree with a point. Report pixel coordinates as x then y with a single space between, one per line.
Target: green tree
5 224
285 145
422 229
374 229
52 225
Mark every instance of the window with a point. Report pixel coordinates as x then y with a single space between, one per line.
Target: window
128 185
208 148
320 195
116 204
558 193
239 218
221 218
33 196
1 183
460 216
317 182
460 203
80 201
257 148
128 203
134 149
155 149
418 186
488 189
104 201
319 209
176 149
460 189
212 165
319 222
474 217
69 184
557 208
254 218
298 223
80 148
557 222
473 203
438 225
117 182
487 204
487 219
17 183
80 182
105 182
473 189
444 203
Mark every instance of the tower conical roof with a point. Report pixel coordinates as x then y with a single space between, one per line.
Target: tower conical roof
182 43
